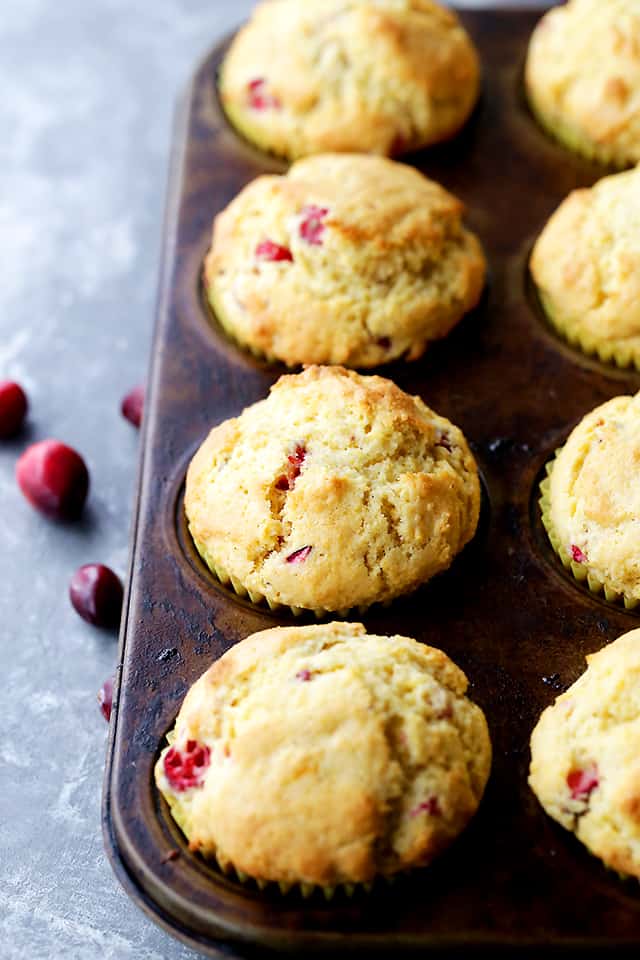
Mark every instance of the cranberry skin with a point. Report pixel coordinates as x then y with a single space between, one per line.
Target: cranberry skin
577 555
259 96
299 556
582 783
54 479
13 408
186 768
273 252
96 594
132 406
312 225
105 698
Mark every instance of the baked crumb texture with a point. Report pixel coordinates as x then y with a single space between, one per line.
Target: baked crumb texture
586 268
373 76
332 757
591 500
347 259
335 492
583 78
585 756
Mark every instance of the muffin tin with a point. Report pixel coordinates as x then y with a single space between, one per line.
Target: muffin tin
506 612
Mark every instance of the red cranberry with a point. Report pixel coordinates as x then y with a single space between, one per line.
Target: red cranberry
132 406
273 252
13 408
577 554
583 782
312 226
260 98
105 698
96 594
303 675
54 479
186 768
299 556
288 481
430 806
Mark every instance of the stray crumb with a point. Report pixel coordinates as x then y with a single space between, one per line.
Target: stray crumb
170 855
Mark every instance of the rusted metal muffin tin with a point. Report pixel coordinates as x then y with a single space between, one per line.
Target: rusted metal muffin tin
506 612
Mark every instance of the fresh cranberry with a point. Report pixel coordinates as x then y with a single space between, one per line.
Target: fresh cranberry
273 252
186 768
13 408
577 554
303 675
96 594
312 226
132 406
430 806
54 479
295 460
260 98
583 782
299 556
105 698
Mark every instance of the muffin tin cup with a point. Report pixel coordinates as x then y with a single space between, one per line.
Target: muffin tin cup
506 612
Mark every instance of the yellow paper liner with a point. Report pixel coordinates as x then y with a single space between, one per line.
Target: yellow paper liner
579 571
259 599
609 351
572 139
218 314
306 890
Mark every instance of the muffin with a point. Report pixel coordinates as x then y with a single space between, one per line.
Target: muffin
585 756
372 76
322 756
336 491
586 267
591 500
347 259
583 78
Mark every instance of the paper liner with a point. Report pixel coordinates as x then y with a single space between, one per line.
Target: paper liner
259 599
217 313
306 890
254 133
570 137
609 351
579 571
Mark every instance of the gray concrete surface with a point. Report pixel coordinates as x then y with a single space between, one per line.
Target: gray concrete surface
87 93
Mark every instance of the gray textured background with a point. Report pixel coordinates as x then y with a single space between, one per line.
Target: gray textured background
87 97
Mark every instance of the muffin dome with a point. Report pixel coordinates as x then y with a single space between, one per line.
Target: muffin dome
326 756
346 259
583 78
336 491
586 266
585 756
373 76
593 500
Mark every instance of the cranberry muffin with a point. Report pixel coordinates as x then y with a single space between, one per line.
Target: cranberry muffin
323 756
373 76
335 492
347 259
